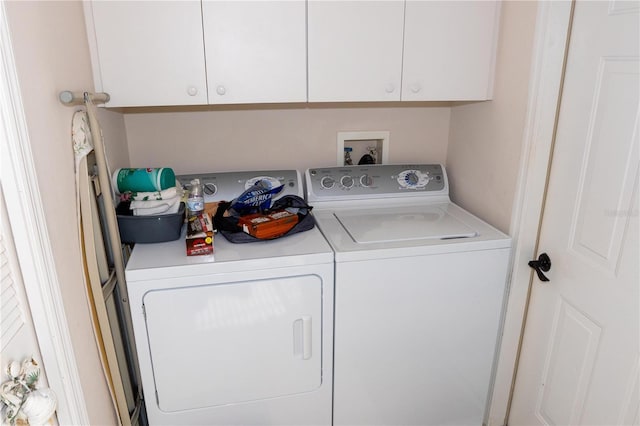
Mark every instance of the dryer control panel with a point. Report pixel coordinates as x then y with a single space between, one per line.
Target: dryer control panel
225 186
375 181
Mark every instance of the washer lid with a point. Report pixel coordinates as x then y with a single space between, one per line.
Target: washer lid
402 224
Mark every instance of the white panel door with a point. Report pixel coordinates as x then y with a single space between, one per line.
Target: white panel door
229 343
449 50
148 52
581 349
355 50
255 51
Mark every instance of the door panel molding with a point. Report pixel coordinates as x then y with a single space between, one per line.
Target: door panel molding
569 360
630 410
598 235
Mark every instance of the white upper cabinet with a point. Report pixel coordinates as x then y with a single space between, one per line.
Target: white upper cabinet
355 50
147 52
197 52
255 51
449 50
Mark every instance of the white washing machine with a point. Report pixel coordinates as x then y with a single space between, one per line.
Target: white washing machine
419 291
243 337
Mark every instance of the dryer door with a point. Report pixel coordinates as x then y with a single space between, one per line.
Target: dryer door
234 342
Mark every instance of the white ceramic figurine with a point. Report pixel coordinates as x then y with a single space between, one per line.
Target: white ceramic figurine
22 398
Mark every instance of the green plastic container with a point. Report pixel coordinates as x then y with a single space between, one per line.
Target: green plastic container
143 180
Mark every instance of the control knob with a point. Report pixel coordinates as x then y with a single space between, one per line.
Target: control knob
346 181
327 182
210 188
267 182
366 181
413 179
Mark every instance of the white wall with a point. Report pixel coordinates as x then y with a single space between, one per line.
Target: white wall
52 55
485 141
266 137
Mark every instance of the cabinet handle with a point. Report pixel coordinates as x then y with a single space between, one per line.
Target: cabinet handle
390 88
415 88
192 91
220 90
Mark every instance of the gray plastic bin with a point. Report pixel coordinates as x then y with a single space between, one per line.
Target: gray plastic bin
151 229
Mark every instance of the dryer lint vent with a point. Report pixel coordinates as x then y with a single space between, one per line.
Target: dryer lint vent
371 147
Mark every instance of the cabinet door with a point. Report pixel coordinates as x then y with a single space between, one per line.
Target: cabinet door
255 51
449 50
148 52
355 50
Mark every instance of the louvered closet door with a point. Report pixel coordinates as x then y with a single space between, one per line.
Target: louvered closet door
17 335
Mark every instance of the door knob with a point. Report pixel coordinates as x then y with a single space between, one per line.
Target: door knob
543 264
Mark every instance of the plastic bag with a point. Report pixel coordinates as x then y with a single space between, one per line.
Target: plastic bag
255 199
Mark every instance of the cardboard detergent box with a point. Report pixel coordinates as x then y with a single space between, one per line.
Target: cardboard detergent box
199 237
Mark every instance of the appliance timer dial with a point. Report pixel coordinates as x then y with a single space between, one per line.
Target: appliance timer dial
366 181
327 182
265 181
346 181
210 188
413 179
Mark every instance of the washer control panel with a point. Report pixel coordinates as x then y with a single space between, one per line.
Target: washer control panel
225 186
350 181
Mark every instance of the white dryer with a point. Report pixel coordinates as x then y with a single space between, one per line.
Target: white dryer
243 337
419 291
